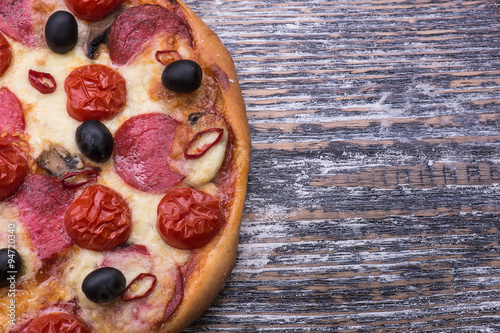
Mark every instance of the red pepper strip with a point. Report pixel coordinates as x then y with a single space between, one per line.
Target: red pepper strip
167 56
141 281
199 152
91 175
43 82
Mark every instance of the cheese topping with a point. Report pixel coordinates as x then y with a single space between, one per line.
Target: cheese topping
48 124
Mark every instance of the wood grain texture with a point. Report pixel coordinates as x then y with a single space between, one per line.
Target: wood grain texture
374 193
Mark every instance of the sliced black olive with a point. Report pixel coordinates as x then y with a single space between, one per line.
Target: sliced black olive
98 33
183 76
10 266
194 117
94 44
104 285
61 32
94 140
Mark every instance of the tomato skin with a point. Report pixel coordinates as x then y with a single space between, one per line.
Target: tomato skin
99 219
188 218
5 55
92 10
58 322
95 92
13 168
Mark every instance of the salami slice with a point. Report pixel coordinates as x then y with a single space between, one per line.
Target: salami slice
11 112
136 26
177 297
15 21
41 202
5 55
142 145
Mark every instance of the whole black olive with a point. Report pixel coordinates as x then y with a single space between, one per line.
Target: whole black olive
104 285
61 32
10 266
183 76
94 140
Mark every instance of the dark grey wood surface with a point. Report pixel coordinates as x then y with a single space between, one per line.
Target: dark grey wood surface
374 191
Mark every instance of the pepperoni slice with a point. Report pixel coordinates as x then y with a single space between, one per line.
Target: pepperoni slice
42 201
11 112
5 55
15 21
176 299
142 145
136 26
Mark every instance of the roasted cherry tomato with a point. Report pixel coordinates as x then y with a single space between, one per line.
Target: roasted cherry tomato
188 218
92 10
99 219
58 322
13 168
5 55
95 92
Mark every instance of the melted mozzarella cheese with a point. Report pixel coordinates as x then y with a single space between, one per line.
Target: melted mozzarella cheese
133 315
14 236
48 123
203 169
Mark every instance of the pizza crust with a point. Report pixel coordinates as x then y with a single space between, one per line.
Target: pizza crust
215 264
210 266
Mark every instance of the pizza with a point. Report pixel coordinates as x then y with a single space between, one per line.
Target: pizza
124 157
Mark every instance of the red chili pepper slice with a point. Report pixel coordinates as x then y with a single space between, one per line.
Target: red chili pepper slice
167 56
140 287
43 82
192 151
90 175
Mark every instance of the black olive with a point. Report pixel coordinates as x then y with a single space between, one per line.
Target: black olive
104 285
94 140
183 76
94 44
61 32
10 266
194 117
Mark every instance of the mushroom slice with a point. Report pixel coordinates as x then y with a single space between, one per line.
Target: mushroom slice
58 161
98 33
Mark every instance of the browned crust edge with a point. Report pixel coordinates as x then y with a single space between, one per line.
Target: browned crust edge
216 262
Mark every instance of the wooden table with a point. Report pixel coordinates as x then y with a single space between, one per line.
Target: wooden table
374 191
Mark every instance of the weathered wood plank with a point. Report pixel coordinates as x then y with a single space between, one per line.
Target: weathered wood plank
373 200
